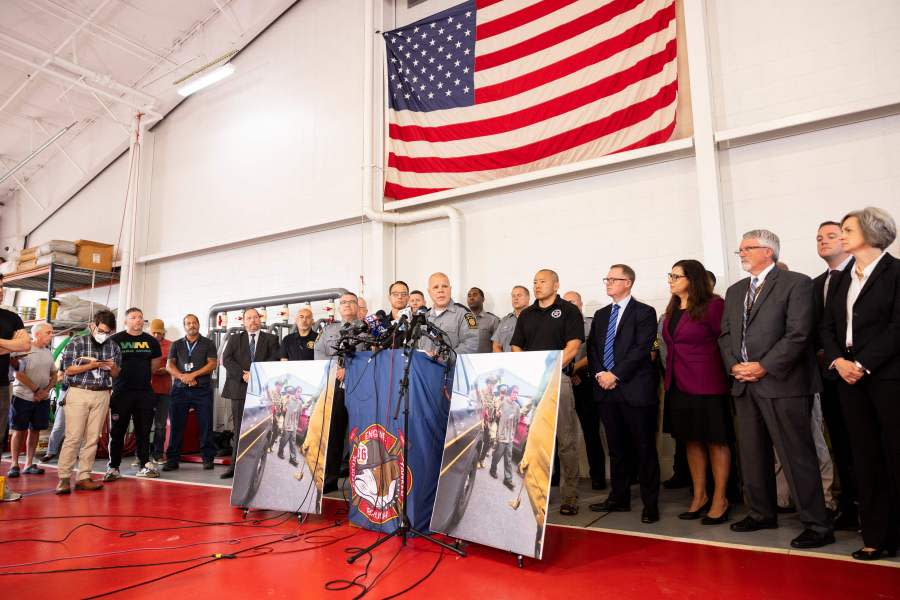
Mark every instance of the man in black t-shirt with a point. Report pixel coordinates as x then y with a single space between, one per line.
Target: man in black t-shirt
13 338
132 395
552 323
300 345
191 359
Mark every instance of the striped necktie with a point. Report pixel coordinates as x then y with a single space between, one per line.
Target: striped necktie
609 359
748 306
252 347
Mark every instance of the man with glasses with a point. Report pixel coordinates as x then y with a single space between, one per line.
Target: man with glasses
90 363
619 362
551 323
242 350
766 345
326 347
398 297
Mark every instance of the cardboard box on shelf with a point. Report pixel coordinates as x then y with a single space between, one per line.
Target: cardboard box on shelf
94 255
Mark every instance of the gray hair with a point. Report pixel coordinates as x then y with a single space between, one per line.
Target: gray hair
765 238
38 326
878 227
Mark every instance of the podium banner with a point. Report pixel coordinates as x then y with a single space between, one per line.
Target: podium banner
494 484
284 436
372 394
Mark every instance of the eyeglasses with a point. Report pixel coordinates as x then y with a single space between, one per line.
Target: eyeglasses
674 276
608 280
748 249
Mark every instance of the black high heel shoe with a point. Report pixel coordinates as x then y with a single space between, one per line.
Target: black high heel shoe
876 554
708 520
692 515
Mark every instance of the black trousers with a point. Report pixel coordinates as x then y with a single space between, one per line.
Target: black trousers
237 416
125 406
872 411
841 453
184 399
589 417
631 436
337 438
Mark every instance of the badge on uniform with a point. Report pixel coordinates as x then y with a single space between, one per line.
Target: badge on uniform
310 344
557 313
188 367
470 319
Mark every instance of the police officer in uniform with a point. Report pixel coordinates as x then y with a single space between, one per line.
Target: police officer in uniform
487 321
300 345
455 319
520 297
551 323
326 347
585 406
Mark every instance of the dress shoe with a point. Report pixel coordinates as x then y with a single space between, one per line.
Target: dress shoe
293 461
812 539
609 505
708 520
493 473
650 514
227 474
598 484
693 515
88 485
676 483
64 486
847 520
509 484
48 457
208 465
876 554
748 524
171 466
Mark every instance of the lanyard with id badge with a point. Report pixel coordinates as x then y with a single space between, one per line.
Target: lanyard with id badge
188 366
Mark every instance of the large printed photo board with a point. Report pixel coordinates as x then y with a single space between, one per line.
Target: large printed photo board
284 436
494 483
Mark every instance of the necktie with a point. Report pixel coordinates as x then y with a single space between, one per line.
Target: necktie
831 277
252 347
748 306
609 357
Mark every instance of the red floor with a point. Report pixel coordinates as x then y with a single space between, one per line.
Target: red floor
577 564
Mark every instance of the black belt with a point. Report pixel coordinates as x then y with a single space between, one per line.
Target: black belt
91 389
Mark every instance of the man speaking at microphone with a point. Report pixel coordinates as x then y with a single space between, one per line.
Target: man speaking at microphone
326 347
454 319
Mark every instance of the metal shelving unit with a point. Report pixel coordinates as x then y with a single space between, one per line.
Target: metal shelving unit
59 279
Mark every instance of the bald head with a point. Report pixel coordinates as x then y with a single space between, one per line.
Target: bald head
439 290
575 298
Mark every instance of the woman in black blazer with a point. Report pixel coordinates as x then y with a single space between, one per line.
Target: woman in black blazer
861 336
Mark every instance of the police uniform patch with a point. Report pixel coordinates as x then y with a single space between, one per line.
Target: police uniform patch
310 344
470 319
557 313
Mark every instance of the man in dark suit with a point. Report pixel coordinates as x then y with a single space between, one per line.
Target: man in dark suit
766 345
828 245
625 378
242 350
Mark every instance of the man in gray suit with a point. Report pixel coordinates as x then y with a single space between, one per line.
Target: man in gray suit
766 344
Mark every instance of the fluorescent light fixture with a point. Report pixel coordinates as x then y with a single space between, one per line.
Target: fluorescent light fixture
206 80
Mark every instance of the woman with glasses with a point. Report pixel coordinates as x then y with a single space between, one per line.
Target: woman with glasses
696 387
861 336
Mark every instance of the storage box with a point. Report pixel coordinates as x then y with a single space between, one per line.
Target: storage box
94 255
26 265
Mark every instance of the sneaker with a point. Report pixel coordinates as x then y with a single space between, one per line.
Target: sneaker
149 471
158 460
33 470
64 486
112 475
136 462
12 473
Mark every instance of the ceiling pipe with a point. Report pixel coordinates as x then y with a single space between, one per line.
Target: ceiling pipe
292 298
34 153
370 193
90 75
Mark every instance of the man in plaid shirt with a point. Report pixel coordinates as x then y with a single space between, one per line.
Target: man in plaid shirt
90 363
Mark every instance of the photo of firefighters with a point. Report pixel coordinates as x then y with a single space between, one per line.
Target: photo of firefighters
284 436
494 483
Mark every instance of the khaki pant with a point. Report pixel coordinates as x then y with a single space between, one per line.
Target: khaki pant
86 412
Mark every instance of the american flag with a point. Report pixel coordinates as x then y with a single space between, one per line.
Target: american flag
495 88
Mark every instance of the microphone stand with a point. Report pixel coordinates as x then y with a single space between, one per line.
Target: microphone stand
405 529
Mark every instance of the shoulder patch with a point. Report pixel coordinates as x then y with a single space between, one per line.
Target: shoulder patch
470 320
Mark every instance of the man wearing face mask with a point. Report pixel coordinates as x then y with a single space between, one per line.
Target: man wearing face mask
90 363
242 350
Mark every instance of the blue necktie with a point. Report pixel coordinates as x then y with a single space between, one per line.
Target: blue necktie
609 360
252 347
